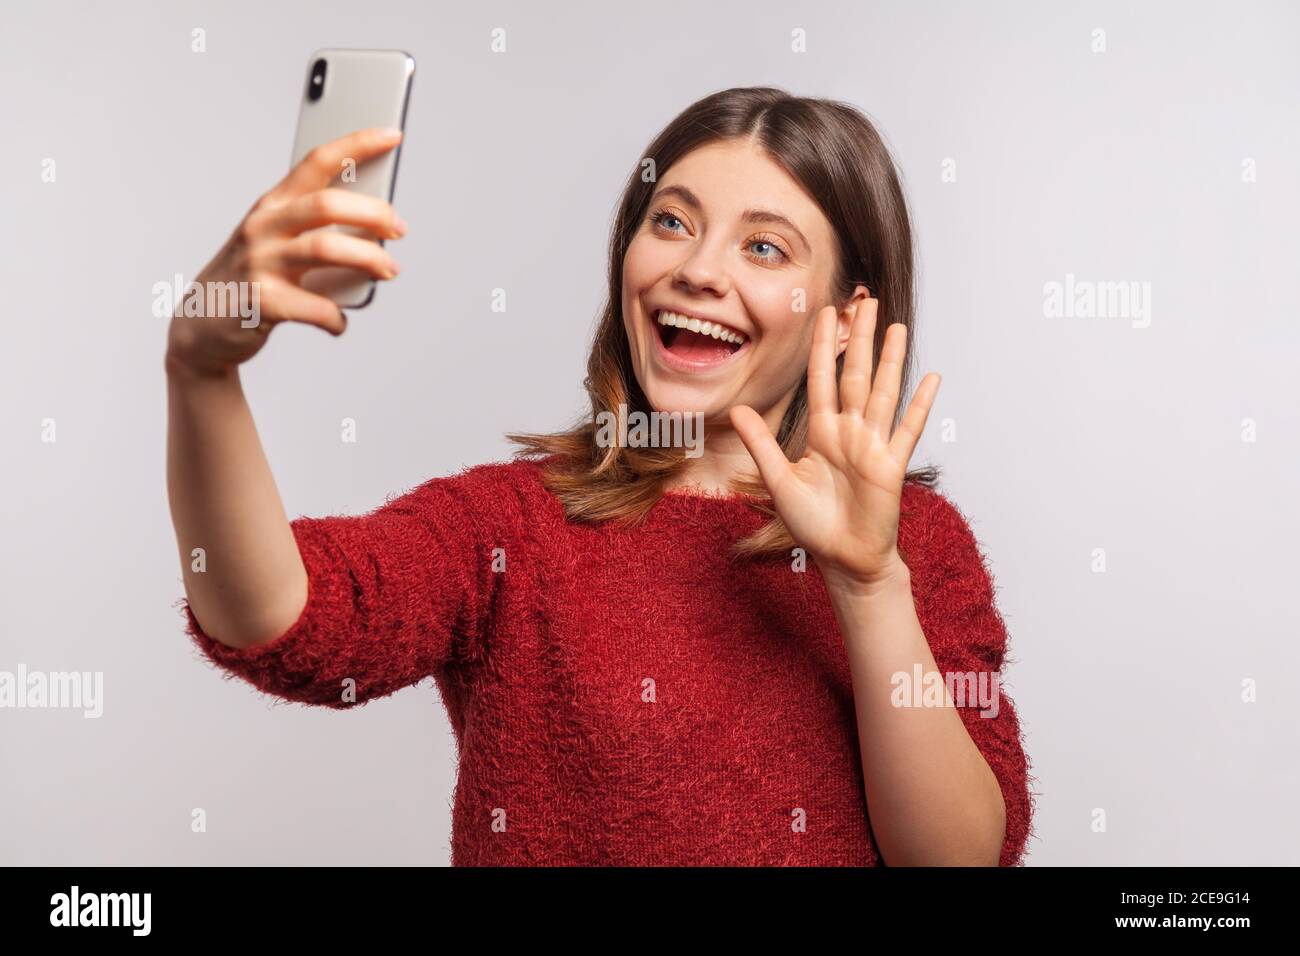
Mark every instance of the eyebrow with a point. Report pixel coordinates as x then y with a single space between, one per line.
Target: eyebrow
749 215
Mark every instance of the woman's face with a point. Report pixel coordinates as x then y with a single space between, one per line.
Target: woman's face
729 238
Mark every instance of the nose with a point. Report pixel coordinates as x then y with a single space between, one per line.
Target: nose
703 271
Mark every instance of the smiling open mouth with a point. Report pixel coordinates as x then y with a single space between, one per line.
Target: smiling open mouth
696 343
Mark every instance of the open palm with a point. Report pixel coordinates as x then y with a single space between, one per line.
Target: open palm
841 500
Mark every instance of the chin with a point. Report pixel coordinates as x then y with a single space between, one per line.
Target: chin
688 399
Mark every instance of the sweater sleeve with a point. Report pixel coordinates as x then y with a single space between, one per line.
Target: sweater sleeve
393 595
968 638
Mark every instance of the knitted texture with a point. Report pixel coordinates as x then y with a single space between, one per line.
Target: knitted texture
625 695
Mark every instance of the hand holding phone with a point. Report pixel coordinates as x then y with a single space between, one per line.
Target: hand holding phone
314 242
349 90
281 240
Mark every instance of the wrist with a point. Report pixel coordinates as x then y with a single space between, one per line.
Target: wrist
181 371
892 577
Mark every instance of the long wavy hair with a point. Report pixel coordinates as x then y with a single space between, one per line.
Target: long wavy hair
833 151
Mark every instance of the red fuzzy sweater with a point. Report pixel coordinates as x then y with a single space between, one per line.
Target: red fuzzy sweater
625 695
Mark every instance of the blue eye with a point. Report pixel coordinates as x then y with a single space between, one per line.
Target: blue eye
764 242
660 217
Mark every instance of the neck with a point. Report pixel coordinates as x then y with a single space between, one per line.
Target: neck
725 458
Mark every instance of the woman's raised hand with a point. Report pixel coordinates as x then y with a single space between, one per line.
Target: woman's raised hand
275 245
841 500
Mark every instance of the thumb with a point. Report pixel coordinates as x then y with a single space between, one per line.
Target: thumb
773 466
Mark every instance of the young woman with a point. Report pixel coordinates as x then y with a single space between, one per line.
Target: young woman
767 653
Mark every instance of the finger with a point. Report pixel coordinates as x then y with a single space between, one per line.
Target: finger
326 207
889 376
910 428
855 380
322 166
326 247
773 465
285 302
821 364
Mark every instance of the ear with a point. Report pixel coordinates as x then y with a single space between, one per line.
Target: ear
845 317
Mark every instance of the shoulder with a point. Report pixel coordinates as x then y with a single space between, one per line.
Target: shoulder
930 514
937 540
497 493
522 475
501 482
497 501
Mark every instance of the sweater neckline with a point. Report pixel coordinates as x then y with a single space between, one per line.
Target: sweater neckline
692 503
707 495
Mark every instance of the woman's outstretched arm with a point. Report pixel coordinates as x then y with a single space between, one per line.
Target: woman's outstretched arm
244 577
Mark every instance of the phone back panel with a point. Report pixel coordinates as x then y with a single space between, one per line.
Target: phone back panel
361 89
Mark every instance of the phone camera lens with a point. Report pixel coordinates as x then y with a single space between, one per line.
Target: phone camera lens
316 85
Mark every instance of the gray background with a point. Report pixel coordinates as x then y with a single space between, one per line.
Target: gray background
1072 434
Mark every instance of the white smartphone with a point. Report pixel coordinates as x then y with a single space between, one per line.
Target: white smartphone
348 90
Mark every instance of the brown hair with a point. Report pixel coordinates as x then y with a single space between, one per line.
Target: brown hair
835 153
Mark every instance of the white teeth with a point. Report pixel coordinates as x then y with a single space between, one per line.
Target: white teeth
711 329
